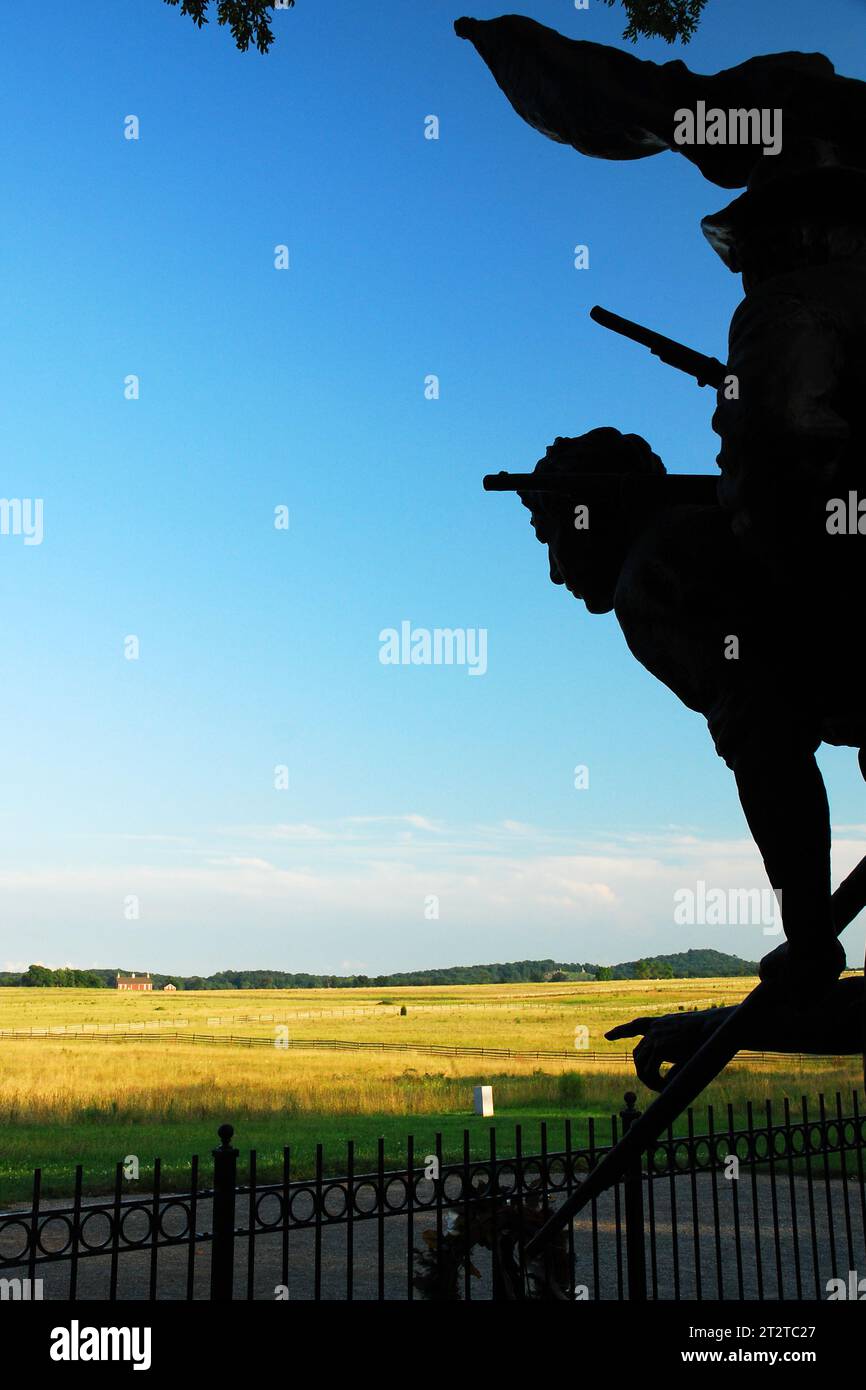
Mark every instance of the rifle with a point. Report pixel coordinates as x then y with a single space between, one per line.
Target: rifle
707 371
668 489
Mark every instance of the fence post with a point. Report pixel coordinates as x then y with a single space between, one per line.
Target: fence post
222 1266
634 1216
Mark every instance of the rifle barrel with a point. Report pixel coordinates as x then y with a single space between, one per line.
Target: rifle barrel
669 489
707 371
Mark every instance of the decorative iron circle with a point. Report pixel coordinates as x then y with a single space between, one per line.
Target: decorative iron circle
796 1140
480 1180
424 1192
96 1214
761 1147
129 1214
682 1156
9 1253
507 1178
816 1134
63 1221
533 1173
369 1203
394 1195
781 1143
721 1150
557 1173
703 1153
167 1211
335 1201
832 1136
658 1160
452 1186
303 1198
275 1207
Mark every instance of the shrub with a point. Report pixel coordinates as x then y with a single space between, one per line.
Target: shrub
571 1088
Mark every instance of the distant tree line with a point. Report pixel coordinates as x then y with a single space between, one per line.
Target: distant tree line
683 965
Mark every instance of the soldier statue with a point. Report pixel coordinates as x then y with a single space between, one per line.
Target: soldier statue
775 559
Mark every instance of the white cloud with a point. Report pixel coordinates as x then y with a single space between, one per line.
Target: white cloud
307 903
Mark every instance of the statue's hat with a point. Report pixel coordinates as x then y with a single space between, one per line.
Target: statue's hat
807 174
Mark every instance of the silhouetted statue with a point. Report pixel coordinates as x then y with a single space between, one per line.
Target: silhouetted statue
742 607
831 1026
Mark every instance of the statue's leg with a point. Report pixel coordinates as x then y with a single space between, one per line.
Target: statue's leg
690 1078
785 803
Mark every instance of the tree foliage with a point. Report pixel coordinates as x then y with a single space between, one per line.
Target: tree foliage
704 963
249 20
40 977
683 965
661 19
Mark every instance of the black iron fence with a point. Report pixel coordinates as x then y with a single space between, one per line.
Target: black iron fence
775 1209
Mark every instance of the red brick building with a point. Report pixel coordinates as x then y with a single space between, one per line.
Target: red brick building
139 983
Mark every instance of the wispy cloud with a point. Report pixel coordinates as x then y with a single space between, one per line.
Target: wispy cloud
502 891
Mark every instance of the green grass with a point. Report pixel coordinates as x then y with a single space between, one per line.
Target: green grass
64 1101
175 1143
99 1147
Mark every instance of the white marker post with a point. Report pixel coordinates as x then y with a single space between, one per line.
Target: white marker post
483 1100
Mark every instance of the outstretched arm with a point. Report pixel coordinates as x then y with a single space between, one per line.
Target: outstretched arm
833 1027
606 102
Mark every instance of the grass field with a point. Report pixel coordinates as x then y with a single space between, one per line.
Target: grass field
65 1099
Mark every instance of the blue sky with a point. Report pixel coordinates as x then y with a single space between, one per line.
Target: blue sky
154 778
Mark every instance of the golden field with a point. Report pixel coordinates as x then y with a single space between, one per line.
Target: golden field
66 1099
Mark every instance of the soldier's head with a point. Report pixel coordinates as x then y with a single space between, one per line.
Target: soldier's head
588 541
803 207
